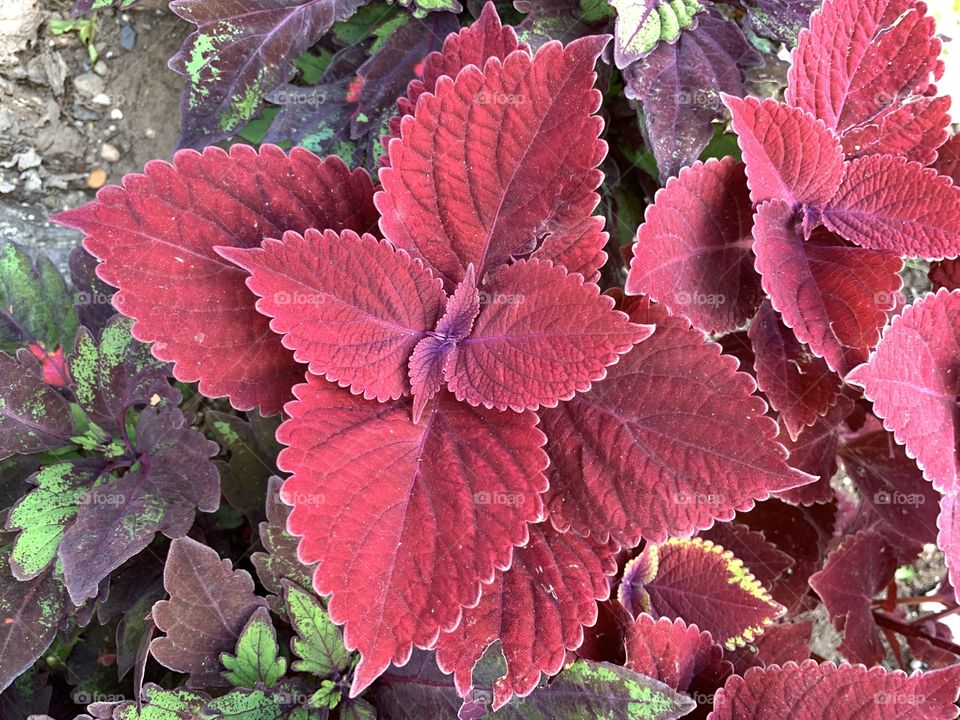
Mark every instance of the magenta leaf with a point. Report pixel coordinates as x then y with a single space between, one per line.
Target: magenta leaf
945 274
826 692
542 335
913 383
540 183
187 300
209 604
798 384
814 451
871 209
382 507
676 654
352 307
679 85
834 296
702 584
858 569
861 57
767 563
33 416
913 130
693 250
790 155
893 490
240 51
556 578
674 430
948 159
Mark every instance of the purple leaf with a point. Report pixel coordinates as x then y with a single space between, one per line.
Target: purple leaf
33 416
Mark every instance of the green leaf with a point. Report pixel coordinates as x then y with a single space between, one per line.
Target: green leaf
257 658
364 23
35 303
358 709
250 705
41 516
160 704
318 644
312 66
328 696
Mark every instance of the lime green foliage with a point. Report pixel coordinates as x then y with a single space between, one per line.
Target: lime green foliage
255 130
165 705
328 696
257 658
312 65
36 298
318 643
43 514
365 22
641 28
592 11
258 705
86 29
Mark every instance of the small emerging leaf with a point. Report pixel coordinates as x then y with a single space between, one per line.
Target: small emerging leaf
256 659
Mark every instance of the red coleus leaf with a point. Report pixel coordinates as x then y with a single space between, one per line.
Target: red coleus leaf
948 538
693 250
814 451
671 440
765 560
826 692
798 384
833 296
901 505
912 380
352 307
860 57
948 159
779 644
556 579
515 162
542 334
945 274
675 653
872 210
473 45
156 237
790 155
913 130
704 585
854 573
405 520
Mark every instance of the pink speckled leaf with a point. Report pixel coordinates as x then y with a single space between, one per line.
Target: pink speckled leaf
536 609
541 336
834 296
799 385
872 210
670 441
156 236
405 520
693 250
514 162
912 380
826 692
350 306
702 584
790 155
854 573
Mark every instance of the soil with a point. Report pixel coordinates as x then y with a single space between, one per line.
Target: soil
69 125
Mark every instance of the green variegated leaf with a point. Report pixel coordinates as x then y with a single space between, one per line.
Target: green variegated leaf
257 657
644 24
318 643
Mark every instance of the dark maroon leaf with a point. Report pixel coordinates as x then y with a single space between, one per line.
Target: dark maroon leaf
779 644
779 19
241 50
767 563
676 654
279 562
945 274
33 416
854 573
92 297
209 604
679 85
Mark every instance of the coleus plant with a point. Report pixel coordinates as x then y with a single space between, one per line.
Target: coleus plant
484 439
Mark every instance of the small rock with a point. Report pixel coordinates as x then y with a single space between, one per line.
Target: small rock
88 86
109 153
56 70
150 133
6 187
101 99
97 179
32 181
116 114
83 114
100 68
128 37
27 160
